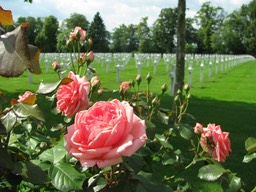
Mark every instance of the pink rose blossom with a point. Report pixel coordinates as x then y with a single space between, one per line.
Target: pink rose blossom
28 98
104 133
215 142
73 97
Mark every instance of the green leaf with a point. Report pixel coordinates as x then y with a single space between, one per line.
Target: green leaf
235 184
23 110
30 172
211 172
164 118
250 145
163 141
186 131
65 177
6 162
248 158
168 159
101 183
55 154
8 122
46 88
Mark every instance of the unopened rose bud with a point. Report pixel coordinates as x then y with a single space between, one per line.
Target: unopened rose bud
56 65
179 92
124 88
176 99
188 96
164 88
100 92
138 79
90 56
148 78
95 82
186 87
89 42
155 101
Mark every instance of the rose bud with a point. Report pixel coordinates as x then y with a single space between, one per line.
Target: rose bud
164 88
95 82
138 79
56 65
148 78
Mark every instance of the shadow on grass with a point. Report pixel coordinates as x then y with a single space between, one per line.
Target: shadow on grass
238 118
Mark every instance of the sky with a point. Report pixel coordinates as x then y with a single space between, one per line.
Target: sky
113 12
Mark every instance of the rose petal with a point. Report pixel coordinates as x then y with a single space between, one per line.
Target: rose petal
135 146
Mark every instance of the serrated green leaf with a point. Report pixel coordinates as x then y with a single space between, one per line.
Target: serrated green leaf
23 110
55 154
8 122
65 177
248 158
46 88
211 172
250 145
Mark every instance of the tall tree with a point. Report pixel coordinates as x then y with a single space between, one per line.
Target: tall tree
164 30
117 38
131 38
47 38
145 42
209 19
180 56
76 19
99 35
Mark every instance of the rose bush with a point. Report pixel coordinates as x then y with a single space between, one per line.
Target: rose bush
123 144
73 97
104 133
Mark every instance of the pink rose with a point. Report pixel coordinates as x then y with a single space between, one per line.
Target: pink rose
73 97
104 133
215 142
28 98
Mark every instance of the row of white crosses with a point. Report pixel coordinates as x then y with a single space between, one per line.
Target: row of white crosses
222 63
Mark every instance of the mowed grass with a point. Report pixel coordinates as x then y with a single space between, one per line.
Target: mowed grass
227 99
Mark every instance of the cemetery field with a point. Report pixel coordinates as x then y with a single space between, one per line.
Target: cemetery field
225 95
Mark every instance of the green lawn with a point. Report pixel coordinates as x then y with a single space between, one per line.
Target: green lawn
227 99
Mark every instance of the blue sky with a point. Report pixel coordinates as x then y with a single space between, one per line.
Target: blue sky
113 12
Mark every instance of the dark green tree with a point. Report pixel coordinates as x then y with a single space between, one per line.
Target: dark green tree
47 38
209 19
144 36
117 44
76 19
99 35
164 30
131 39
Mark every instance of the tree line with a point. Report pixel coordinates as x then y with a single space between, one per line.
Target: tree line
212 30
